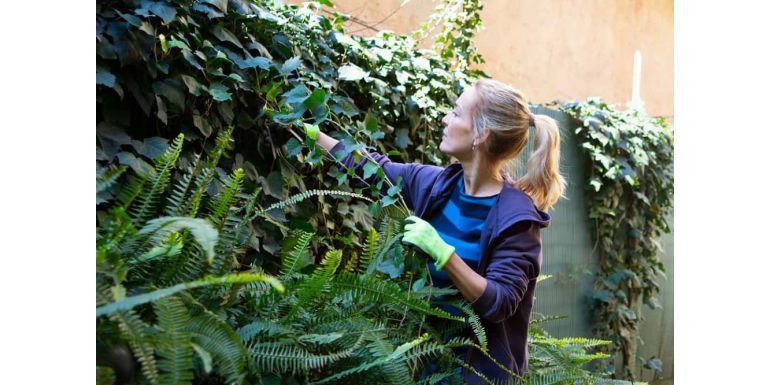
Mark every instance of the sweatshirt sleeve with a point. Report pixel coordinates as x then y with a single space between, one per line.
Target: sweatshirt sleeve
514 263
415 177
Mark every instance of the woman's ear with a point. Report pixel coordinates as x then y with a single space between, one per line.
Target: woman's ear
483 138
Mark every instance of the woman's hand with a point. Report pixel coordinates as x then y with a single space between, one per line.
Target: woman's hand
421 234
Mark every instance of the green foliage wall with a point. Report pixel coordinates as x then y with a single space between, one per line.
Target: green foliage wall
192 232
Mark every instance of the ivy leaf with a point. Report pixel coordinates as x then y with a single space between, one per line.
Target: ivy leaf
202 124
290 65
219 92
294 148
210 12
221 4
387 201
193 86
402 138
259 61
344 105
370 122
297 95
173 43
351 72
165 12
225 35
171 90
370 168
105 78
311 130
603 295
151 147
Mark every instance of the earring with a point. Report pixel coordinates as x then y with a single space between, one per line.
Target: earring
473 146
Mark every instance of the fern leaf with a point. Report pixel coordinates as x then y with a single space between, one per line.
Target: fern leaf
395 372
175 201
398 353
247 332
135 331
157 181
281 357
222 202
372 244
294 199
319 280
201 230
106 177
174 342
367 289
292 261
475 322
218 339
130 302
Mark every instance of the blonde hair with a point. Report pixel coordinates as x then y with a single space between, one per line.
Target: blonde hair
504 112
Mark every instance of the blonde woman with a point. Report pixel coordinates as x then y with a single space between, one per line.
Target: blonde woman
480 226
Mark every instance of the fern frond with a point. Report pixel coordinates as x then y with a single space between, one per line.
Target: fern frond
131 189
130 302
222 202
106 177
291 261
157 181
247 332
294 199
397 354
136 332
380 347
372 245
175 200
202 231
282 357
220 340
208 171
319 280
475 322
174 342
367 289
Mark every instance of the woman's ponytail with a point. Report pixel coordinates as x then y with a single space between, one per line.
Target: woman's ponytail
504 111
543 182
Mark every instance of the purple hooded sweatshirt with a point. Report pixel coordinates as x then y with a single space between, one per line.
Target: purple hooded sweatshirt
510 257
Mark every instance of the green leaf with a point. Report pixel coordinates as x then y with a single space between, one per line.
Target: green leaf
344 105
219 91
225 35
291 65
351 72
171 90
370 168
259 61
297 95
294 147
204 356
105 78
221 4
173 43
311 130
130 302
193 86
202 231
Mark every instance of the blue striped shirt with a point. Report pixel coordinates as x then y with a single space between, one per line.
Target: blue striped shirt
459 223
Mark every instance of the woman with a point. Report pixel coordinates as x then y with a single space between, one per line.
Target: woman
481 227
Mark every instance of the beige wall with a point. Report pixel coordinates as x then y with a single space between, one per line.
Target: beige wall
557 49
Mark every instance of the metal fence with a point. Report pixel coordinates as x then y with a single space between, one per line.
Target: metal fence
568 256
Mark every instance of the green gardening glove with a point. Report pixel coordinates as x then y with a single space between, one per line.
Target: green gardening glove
421 234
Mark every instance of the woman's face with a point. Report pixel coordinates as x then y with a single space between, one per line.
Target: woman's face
458 131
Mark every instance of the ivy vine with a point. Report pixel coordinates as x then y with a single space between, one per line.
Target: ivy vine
630 188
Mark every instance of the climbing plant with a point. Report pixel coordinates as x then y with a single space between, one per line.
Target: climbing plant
630 186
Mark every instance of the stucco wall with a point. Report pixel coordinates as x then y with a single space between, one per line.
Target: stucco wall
557 49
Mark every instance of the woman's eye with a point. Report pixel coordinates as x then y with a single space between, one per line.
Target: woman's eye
455 113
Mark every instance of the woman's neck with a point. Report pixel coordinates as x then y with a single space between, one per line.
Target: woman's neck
480 179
